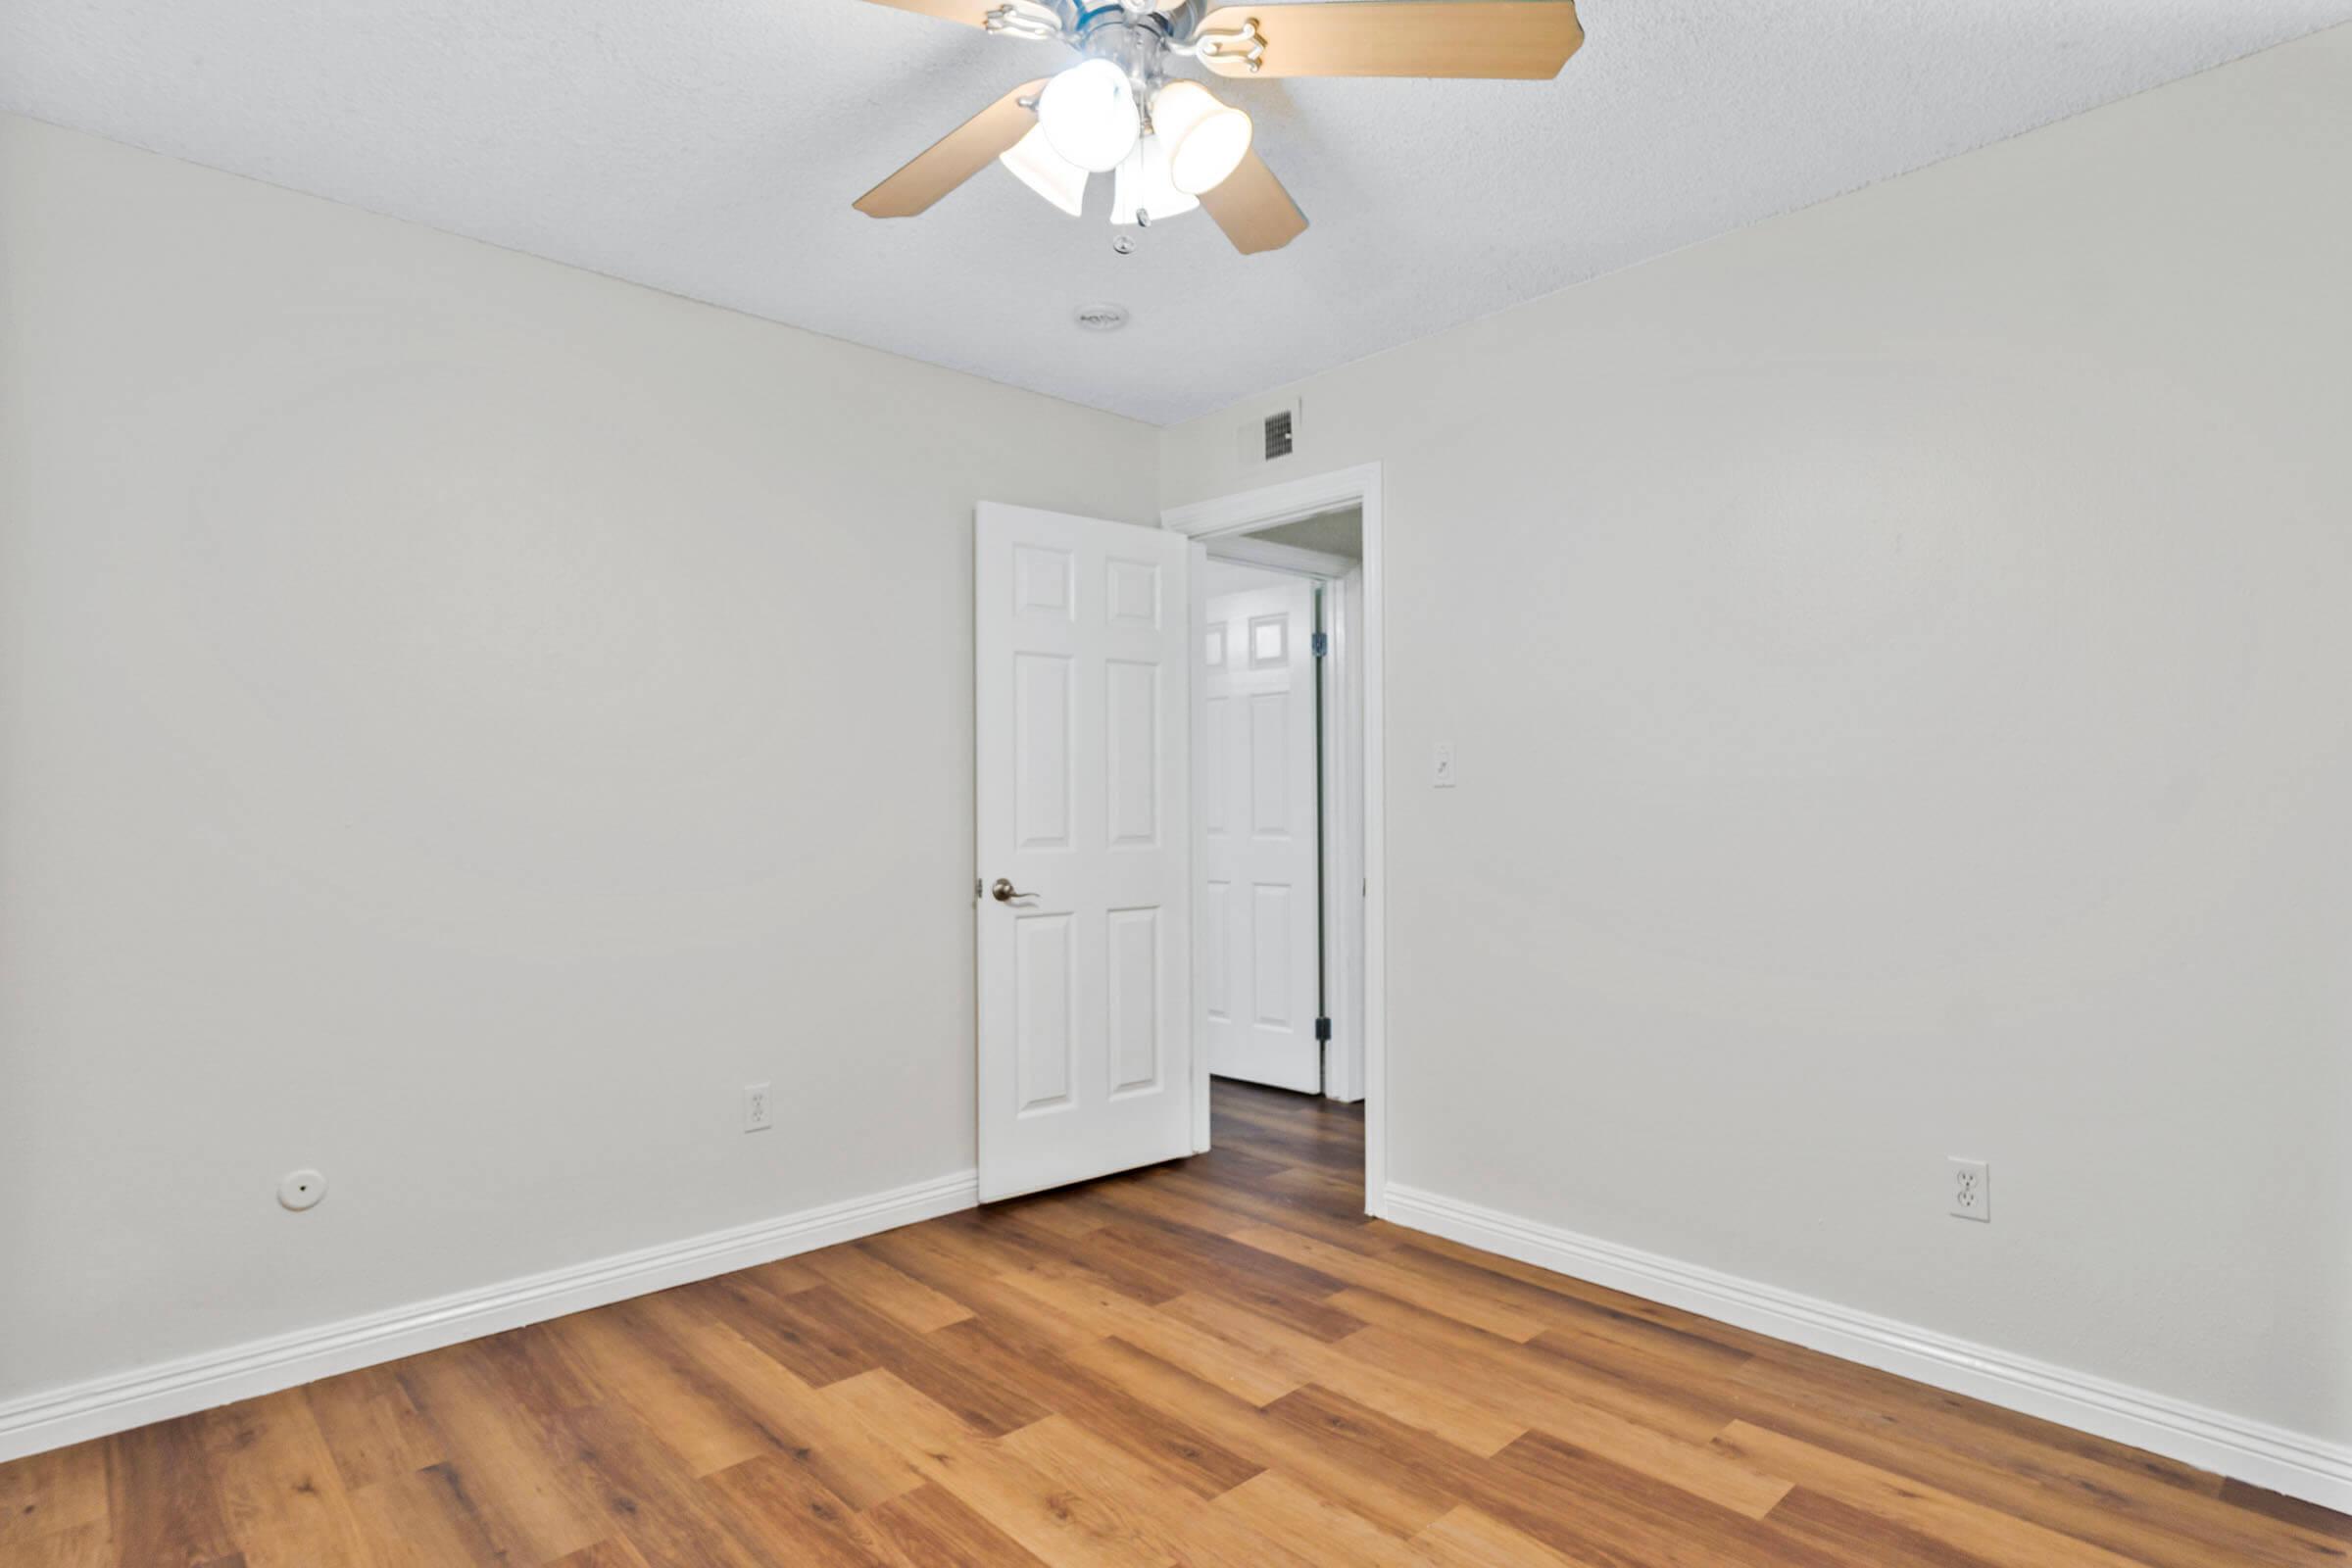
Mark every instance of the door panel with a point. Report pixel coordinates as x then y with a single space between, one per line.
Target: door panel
1260 917
1083 749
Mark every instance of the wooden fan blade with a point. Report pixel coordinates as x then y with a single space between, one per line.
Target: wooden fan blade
971 13
1528 39
1254 209
956 157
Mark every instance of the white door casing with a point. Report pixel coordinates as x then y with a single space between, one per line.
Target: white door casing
1259 919
1226 518
1083 749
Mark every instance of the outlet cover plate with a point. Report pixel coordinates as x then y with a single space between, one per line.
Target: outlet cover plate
759 1108
1971 1188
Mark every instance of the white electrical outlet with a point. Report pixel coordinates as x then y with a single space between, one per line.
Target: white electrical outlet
1441 768
1972 1189
759 1108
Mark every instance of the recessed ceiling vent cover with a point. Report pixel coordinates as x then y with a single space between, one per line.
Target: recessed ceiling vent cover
1278 436
1102 318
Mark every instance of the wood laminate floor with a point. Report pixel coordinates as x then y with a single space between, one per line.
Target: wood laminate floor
1219 1361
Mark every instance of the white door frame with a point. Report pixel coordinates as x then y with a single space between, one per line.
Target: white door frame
1293 502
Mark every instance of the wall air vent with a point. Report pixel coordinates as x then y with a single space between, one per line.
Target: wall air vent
1268 434
1278 436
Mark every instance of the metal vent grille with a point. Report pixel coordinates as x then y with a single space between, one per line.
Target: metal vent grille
1278 436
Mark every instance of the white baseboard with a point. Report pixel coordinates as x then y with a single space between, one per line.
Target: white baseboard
2299 1465
57 1417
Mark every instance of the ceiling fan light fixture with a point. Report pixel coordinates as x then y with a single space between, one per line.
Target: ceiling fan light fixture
1088 113
1206 141
1142 192
1035 163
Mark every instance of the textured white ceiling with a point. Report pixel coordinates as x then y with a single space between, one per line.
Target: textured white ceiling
713 149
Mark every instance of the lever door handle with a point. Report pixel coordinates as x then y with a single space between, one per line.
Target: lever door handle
1005 892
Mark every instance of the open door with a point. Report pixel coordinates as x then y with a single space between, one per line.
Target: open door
1084 768
1259 871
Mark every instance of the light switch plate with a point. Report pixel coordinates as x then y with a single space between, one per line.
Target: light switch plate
1441 772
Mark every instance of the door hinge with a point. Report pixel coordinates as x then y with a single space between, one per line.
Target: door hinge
1322 645
1322 1028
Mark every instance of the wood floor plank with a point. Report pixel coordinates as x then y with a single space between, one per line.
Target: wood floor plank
90 1545
1468 1539
371 1428
988 1402
1525 1384
1590 1507
1308 1525
1938 1515
424 1519
1073 1212
503 1460
812 1430
915 1428
279 1490
1218 1362
1934 1421
648 1497
1694 1466
51 1494
1198 1260
1427 1400
1476 1308
1157 1438
1599 1297
641 1365
1841 1533
786 1515
928 1526
1056 1524
1358 1232
915 1253
2118 1508
614 1553
1204 1356
162 1500
786 1276
862 1277
1371 1492
1180 1524
802 1330
2326 1523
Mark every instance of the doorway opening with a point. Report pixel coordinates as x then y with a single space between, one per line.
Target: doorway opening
1274 884
1286 806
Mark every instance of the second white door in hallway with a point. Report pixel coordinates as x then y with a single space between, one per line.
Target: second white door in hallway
1260 896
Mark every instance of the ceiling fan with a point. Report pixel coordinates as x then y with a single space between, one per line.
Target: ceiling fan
1169 142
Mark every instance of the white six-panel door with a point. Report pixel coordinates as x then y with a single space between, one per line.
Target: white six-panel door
1084 772
1259 918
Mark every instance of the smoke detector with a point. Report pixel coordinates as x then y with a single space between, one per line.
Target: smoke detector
1102 318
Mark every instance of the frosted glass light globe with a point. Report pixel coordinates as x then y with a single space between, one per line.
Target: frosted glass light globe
1045 171
1141 192
1090 116
1207 139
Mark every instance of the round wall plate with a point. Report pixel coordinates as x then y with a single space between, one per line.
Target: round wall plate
301 1189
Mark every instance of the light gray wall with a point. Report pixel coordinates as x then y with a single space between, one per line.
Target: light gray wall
1900 658
460 720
